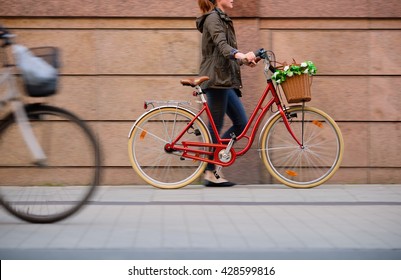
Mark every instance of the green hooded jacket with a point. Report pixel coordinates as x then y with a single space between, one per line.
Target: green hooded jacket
219 45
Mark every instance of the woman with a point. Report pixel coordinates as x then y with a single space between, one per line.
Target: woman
221 61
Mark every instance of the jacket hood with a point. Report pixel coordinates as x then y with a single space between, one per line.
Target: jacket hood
201 20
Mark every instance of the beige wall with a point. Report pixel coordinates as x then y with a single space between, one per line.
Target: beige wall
118 53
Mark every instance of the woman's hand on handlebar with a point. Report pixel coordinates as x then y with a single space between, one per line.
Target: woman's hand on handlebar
248 59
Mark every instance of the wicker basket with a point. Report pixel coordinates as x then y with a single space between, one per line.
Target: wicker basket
297 88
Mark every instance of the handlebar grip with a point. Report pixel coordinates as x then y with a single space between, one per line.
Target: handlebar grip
6 36
261 53
3 31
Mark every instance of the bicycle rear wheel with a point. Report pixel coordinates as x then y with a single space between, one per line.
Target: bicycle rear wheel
56 190
147 153
307 166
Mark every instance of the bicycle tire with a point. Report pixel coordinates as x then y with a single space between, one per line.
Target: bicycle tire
146 147
308 166
50 193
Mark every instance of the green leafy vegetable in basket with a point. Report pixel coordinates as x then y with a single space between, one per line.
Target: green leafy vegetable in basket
306 67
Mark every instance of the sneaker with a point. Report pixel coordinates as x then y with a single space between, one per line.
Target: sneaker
212 181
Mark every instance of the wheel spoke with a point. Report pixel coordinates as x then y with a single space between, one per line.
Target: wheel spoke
55 191
307 166
155 163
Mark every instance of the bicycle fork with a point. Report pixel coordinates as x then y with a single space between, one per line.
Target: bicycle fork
22 120
285 118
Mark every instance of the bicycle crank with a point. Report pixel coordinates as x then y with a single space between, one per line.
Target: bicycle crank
224 156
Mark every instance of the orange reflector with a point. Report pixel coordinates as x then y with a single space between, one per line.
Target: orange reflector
317 123
143 134
291 173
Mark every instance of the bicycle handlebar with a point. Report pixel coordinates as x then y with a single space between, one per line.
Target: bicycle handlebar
6 36
263 54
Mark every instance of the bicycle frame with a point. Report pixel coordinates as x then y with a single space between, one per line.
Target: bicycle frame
12 97
189 150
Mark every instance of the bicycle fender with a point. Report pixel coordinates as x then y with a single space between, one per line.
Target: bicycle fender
167 106
10 115
33 106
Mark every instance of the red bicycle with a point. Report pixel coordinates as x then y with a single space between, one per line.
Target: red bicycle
170 145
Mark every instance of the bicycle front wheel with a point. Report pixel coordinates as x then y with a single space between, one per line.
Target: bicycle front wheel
57 188
147 141
313 163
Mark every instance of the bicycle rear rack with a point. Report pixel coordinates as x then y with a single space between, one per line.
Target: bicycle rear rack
156 103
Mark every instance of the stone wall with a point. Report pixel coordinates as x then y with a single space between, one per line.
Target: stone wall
118 53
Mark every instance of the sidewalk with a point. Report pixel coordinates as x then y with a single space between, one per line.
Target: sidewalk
243 222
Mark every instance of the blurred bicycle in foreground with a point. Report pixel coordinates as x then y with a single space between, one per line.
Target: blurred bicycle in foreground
49 157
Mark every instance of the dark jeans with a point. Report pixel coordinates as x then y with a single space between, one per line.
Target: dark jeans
221 102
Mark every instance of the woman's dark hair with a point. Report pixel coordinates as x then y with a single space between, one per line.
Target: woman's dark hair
206 5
